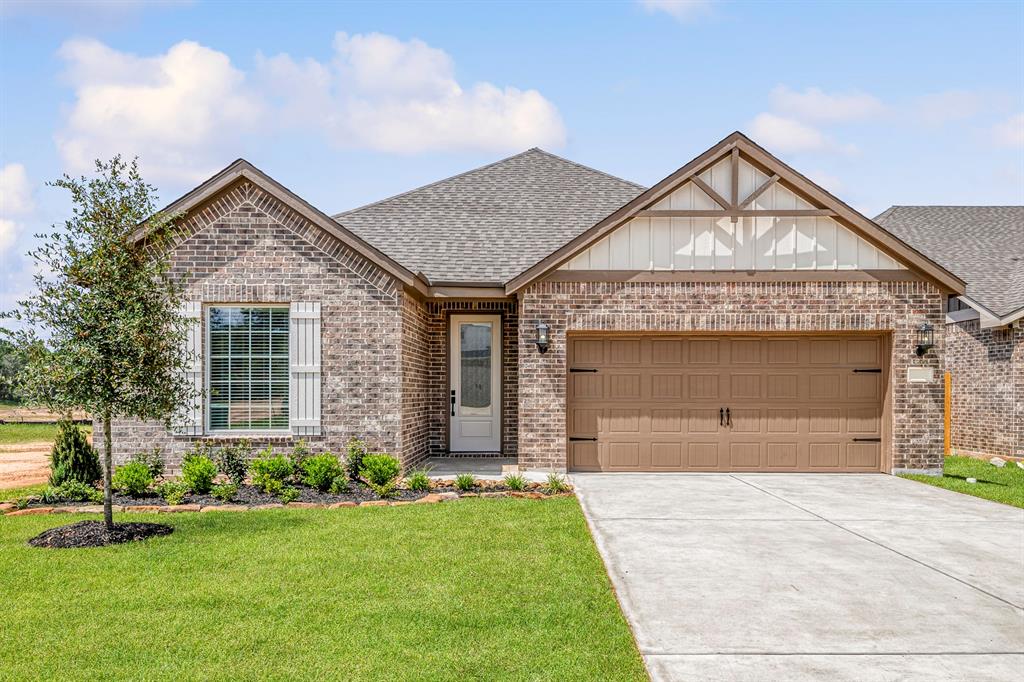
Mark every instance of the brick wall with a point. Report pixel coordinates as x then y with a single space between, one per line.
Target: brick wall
895 307
248 247
987 401
429 409
418 389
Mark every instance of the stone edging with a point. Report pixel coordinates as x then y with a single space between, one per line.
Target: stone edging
8 509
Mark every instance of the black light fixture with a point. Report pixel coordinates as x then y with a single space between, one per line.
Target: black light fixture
925 339
542 337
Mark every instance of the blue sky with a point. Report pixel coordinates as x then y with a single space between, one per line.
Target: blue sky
883 103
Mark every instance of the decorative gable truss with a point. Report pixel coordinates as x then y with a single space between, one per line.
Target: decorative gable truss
733 216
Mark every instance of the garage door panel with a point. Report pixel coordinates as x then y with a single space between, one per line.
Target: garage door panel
658 403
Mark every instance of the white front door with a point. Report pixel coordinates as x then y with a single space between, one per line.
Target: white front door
475 399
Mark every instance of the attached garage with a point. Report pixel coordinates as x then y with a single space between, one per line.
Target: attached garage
803 403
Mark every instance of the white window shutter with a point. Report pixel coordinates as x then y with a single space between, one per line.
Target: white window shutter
304 403
190 421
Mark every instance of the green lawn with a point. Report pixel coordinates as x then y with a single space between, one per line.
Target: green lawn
478 589
11 434
1004 485
9 494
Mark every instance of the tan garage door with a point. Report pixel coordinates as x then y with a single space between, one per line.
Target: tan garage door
726 403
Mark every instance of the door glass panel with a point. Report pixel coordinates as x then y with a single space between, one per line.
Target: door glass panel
475 359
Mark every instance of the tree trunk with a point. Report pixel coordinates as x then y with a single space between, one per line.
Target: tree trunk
108 467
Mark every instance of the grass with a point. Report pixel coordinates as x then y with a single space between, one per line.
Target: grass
13 434
479 589
1004 485
9 494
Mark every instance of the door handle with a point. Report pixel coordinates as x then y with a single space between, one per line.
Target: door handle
721 416
728 417
575 439
453 402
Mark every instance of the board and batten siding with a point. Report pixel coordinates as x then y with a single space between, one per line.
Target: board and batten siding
751 243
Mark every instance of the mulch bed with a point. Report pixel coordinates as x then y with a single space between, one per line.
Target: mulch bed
96 534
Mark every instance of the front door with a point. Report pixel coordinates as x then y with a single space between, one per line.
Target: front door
475 399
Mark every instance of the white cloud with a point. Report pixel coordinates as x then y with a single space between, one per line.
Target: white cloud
943 107
390 95
813 104
780 134
680 10
179 111
1010 133
15 200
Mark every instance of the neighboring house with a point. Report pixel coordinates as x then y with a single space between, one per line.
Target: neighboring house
984 245
735 316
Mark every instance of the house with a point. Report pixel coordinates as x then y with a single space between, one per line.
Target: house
734 316
983 245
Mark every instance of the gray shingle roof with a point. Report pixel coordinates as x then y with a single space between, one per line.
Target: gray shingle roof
489 224
983 245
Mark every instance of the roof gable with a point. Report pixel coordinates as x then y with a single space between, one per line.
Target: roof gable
488 224
240 170
726 158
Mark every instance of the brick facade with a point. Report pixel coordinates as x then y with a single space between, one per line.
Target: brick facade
897 308
246 246
987 398
427 398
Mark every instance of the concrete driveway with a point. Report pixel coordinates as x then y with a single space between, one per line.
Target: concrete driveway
811 576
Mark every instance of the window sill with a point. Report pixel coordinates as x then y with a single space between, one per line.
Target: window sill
263 436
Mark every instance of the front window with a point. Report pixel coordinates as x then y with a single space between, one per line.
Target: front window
247 379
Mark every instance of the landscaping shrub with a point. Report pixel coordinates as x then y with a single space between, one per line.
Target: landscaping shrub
418 480
225 492
556 484
72 458
380 468
465 482
233 460
270 472
355 450
72 491
197 472
132 479
515 482
289 495
319 471
153 459
339 485
300 453
173 491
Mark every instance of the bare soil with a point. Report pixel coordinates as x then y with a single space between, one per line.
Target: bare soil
23 464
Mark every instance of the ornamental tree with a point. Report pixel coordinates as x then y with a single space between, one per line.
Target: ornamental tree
105 309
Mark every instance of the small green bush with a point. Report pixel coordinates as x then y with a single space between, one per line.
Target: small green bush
153 459
132 479
380 469
72 458
225 492
233 460
289 494
418 481
72 491
465 482
300 453
355 450
173 491
319 471
270 472
515 482
197 472
385 490
339 485
556 484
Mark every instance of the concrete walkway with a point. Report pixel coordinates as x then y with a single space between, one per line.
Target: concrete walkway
811 576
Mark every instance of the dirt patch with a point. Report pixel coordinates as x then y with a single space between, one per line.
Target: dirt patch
23 464
96 534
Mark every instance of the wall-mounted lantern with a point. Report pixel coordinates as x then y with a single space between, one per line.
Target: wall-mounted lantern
542 337
925 339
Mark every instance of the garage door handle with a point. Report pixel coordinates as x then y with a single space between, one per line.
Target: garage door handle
721 416
867 440
867 371
575 439
575 370
728 417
